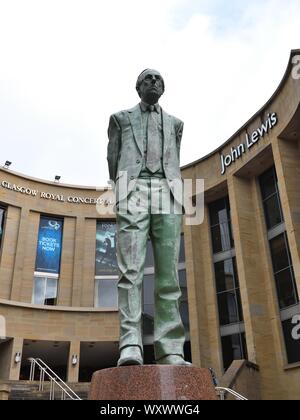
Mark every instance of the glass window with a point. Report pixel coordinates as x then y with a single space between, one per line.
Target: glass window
229 312
106 295
271 199
292 340
222 239
184 307
228 292
182 250
286 288
283 271
2 215
268 183
149 255
219 211
273 212
233 348
226 275
49 245
279 253
106 258
44 291
148 295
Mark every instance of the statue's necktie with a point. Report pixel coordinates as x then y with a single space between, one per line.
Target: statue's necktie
153 142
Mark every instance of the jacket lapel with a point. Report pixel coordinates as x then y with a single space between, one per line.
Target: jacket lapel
166 130
135 118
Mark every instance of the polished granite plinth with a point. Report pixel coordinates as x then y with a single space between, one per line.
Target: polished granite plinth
152 382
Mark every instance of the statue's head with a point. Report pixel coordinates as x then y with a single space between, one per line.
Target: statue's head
150 86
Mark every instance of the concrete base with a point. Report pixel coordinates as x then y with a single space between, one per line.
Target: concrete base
152 382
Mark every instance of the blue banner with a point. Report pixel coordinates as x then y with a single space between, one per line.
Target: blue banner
49 246
106 259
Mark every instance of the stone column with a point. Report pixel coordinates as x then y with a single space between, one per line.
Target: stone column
16 367
19 257
89 261
9 249
73 370
67 263
78 261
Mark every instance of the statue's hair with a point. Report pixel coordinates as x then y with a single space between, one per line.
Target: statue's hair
141 78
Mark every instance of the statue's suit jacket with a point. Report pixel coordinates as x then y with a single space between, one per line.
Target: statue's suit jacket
126 150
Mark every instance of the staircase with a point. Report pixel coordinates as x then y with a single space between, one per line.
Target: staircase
29 390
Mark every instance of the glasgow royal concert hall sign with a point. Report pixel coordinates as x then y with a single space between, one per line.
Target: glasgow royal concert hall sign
250 141
54 197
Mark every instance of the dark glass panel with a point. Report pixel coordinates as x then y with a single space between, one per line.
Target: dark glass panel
149 255
225 275
279 252
239 303
268 183
273 211
292 339
228 311
182 250
222 239
219 211
286 288
233 348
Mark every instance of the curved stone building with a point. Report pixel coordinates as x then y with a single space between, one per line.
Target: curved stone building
239 270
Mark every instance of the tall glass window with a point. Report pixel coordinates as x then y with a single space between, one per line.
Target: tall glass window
2 217
284 276
227 284
220 223
45 291
283 271
47 265
228 292
234 348
271 198
106 268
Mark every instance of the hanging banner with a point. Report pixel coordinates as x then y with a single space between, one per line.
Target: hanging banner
106 260
49 246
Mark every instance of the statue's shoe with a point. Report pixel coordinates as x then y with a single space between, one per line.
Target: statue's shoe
130 356
173 359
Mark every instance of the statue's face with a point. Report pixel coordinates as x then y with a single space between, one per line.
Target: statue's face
152 87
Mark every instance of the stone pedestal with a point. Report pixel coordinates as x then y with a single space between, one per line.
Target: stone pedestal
152 382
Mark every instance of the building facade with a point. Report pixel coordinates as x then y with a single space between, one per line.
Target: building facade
239 270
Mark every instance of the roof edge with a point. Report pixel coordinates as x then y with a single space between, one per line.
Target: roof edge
53 183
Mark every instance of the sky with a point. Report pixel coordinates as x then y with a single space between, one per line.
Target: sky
67 65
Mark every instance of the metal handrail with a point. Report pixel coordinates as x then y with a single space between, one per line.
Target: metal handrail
54 380
222 392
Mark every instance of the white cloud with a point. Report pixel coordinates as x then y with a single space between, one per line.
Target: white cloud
67 65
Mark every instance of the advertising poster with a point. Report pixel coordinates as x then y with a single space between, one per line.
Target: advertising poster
49 246
106 260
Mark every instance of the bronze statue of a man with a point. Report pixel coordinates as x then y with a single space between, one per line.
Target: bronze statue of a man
143 154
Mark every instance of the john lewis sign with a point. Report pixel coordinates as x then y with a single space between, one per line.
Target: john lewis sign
250 141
